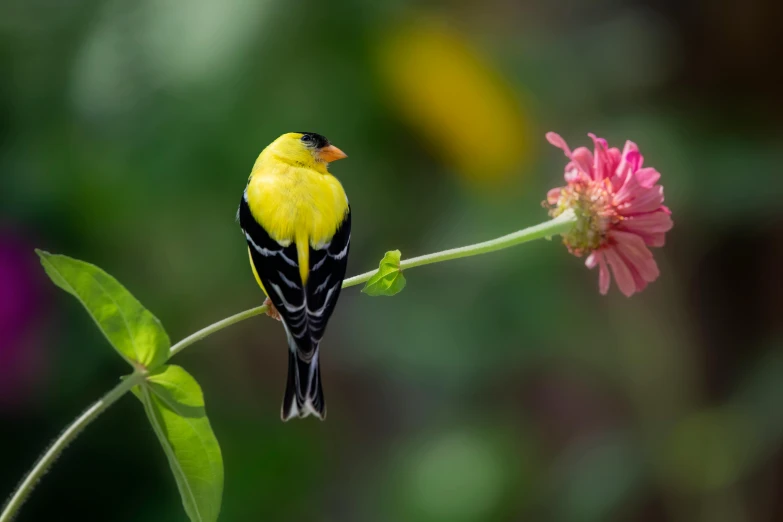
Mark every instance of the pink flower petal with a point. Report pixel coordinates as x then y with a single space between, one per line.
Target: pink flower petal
572 173
601 161
615 157
622 274
583 159
649 223
630 244
651 226
633 159
603 276
597 258
631 155
636 255
638 191
645 201
640 283
629 146
553 195
629 188
558 141
629 163
655 240
647 177
598 142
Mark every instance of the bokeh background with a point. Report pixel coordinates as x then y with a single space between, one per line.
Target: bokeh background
496 388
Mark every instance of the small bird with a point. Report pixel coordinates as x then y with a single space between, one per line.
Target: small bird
297 222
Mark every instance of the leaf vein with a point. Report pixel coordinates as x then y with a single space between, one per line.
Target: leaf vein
176 410
122 314
169 450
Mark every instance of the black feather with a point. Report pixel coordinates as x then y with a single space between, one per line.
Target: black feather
314 140
327 271
304 309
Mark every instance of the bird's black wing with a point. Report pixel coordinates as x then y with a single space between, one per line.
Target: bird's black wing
278 269
305 311
327 271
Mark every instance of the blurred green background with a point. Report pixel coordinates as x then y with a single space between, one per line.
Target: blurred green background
496 388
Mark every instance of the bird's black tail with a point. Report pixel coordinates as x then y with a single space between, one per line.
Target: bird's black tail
303 392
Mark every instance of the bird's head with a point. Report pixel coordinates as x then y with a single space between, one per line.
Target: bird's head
307 149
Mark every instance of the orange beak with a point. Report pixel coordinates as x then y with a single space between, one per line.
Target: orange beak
331 153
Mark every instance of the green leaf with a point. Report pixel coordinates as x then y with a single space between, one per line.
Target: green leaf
175 407
388 280
132 330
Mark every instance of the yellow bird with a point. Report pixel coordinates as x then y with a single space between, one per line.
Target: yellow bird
297 222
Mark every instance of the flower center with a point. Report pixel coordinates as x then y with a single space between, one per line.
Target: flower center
591 201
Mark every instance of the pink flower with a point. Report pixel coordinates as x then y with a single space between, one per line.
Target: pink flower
619 209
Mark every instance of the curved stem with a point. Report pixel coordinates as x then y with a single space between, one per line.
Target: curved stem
228 321
27 485
563 223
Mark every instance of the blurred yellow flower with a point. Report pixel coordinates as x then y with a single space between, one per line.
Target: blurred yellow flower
461 105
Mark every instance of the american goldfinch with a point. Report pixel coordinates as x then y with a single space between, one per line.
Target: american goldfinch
297 222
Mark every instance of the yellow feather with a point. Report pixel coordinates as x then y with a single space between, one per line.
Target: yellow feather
294 198
255 273
303 252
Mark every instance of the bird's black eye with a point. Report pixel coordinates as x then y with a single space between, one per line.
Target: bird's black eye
315 140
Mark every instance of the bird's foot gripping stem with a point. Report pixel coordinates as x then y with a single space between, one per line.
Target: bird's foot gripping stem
272 311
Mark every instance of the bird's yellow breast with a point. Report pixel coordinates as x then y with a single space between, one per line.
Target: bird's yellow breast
291 202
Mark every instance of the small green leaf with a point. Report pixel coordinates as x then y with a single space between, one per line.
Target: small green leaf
175 407
132 330
388 280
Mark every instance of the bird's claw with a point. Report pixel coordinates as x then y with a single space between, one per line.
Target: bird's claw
271 310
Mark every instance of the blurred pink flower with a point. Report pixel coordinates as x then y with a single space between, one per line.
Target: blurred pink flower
620 212
22 347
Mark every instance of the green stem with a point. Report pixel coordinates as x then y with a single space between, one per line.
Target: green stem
559 225
209 330
27 485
